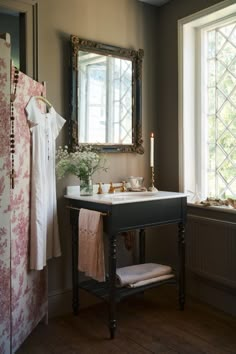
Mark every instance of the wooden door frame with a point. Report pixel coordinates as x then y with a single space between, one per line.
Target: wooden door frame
28 16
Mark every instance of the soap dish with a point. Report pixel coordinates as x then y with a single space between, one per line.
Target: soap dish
143 189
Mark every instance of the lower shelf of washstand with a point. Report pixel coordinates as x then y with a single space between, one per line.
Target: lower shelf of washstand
102 289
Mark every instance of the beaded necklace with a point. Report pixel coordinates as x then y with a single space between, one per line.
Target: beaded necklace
12 128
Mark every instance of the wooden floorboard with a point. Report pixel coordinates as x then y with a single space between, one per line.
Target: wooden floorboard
149 323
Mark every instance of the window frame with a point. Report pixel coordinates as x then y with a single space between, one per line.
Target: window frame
191 118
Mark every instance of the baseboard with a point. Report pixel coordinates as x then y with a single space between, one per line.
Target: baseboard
212 293
60 302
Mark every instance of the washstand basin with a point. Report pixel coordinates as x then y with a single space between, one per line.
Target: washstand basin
127 195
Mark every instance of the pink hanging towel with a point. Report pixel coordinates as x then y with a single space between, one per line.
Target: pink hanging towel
91 247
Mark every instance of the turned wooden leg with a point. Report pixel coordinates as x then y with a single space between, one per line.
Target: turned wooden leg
181 248
141 246
75 273
112 280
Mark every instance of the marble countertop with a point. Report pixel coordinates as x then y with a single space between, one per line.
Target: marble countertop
126 197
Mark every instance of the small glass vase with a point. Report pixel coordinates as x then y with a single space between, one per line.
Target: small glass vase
86 185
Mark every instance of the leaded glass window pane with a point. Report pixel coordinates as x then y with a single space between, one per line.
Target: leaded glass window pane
221 111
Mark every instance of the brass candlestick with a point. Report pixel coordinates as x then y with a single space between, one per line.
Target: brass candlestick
152 188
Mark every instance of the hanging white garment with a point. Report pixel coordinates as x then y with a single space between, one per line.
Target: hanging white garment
44 235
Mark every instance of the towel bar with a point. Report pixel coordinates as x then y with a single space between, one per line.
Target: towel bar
103 214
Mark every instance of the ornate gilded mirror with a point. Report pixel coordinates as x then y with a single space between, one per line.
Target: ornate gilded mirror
106 97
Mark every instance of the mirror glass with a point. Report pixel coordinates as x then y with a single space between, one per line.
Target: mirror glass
106 97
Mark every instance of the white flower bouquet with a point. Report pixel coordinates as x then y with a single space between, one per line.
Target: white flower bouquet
81 163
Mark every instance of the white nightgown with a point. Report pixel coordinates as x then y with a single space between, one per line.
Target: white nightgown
44 235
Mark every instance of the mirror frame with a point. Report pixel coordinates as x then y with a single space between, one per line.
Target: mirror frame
136 57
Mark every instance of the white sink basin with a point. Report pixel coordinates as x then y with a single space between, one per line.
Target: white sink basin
128 194
124 195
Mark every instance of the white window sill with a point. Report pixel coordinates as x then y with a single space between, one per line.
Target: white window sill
223 209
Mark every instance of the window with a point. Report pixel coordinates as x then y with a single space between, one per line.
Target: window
208 102
220 118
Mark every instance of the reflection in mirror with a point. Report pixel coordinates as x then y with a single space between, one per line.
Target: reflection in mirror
106 97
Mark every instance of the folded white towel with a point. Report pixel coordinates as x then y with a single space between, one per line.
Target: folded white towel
150 281
139 272
91 247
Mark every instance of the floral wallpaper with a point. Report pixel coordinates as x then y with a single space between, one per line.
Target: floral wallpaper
23 294
5 270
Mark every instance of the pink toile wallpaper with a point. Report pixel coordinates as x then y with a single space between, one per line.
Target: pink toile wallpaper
5 270
23 294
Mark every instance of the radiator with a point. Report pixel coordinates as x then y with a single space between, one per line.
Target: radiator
211 249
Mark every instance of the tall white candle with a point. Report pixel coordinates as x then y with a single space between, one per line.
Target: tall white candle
152 150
